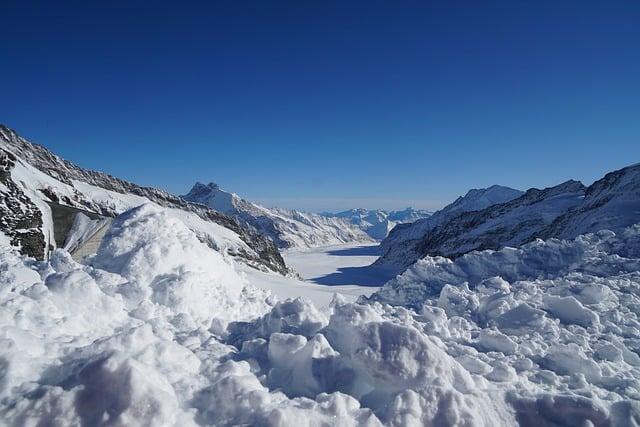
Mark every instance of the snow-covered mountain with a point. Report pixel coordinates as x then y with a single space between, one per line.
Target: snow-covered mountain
287 228
564 211
42 196
505 224
378 223
400 248
409 215
612 203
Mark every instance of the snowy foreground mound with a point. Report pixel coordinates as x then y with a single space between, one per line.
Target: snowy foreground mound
158 329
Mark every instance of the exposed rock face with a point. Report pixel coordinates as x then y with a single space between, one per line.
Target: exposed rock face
20 218
612 202
507 224
264 252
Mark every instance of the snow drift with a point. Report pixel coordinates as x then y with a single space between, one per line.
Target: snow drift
159 329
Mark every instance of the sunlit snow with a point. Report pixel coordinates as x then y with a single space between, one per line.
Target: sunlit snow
159 329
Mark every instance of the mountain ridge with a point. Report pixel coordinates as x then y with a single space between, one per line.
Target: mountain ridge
63 182
288 228
564 211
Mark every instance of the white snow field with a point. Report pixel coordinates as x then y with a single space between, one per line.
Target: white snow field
325 271
348 264
289 287
158 329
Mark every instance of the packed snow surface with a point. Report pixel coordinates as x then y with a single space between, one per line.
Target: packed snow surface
159 329
291 287
348 264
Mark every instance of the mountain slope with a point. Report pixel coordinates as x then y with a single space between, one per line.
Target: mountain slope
400 247
612 202
564 211
38 187
287 228
378 223
506 224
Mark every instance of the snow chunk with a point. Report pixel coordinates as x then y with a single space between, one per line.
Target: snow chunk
569 310
496 341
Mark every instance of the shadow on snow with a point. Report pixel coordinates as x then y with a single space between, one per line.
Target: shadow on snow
363 276
356 251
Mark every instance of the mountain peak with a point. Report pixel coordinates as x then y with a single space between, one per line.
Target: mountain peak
199 186
200 191
212 196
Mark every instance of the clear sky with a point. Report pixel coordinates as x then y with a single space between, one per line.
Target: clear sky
325 105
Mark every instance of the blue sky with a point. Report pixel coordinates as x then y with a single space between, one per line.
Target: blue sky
333 104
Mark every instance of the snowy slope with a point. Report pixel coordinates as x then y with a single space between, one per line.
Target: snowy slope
400 247
564 211
612 202
40 194
505 224
378 223
159 329
287 228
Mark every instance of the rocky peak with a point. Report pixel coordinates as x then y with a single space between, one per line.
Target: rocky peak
199 189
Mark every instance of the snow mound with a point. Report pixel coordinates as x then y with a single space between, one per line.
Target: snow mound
377 355
159 329
164 262
601 254
555 322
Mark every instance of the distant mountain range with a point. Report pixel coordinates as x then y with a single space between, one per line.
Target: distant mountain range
48 202
378 223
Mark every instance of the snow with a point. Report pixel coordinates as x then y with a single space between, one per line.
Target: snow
325 271
612 203
287 228
474 200
348 264
160 329
378 223
221 237
556 320
30 180
399 248
4 240
82 229
290 287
